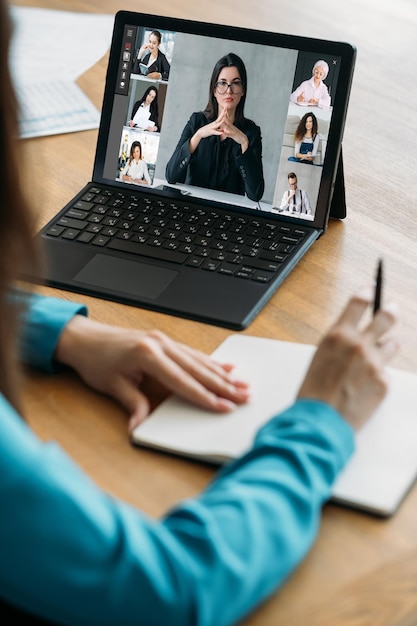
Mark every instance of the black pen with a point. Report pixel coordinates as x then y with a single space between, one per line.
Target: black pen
378 287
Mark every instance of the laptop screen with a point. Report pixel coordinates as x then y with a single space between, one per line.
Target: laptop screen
224 115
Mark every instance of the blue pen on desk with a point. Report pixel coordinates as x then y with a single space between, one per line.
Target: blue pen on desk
378 287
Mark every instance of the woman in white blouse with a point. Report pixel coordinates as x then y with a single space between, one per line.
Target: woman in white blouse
136 170
314 92
306 140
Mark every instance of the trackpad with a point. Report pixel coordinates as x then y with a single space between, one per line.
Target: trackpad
128 277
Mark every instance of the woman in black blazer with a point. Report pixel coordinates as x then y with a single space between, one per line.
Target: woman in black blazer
219 147
150 60
148 116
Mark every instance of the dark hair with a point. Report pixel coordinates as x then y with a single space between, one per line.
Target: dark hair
17 248
157 35
132 149
292 175
301 127
153 107
229 60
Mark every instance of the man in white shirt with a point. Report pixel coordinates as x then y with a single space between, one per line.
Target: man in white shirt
295 200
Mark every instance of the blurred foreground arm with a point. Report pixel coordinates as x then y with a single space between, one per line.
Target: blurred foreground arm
213 558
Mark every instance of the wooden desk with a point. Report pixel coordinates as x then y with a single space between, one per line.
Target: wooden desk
361 570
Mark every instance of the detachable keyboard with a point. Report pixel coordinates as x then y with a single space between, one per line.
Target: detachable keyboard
246 246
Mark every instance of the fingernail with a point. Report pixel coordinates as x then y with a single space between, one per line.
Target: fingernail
366 292
391 307
225 405
133 422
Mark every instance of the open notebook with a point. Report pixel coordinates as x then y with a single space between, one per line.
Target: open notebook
376 478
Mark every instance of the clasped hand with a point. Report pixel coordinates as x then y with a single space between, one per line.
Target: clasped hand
223 126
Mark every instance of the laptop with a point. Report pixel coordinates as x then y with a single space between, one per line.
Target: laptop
205 232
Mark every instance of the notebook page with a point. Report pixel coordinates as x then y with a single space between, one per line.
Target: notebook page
269 365
377 477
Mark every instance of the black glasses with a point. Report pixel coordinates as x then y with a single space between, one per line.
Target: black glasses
222 86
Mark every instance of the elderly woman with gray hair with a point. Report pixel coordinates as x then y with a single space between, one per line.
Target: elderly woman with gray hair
313 92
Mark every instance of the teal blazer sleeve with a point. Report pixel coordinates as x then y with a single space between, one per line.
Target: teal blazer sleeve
43 320
75 555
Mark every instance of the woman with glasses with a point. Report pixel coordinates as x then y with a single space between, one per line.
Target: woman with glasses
314 92
219 147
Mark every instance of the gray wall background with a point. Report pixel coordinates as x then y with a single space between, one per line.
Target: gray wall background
270 75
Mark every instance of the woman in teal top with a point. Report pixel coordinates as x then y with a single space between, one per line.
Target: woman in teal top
75 555
72 554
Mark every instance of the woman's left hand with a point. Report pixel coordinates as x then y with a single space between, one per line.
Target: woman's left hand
122 362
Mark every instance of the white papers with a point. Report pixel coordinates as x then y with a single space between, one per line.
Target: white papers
49 51
53 107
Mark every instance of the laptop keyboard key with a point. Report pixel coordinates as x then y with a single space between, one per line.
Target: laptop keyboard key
268 266
55 231
149 251
70 233
77 214
70 222
85 237
100 240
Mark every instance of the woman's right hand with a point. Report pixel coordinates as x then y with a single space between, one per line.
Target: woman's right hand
347 370
143 50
